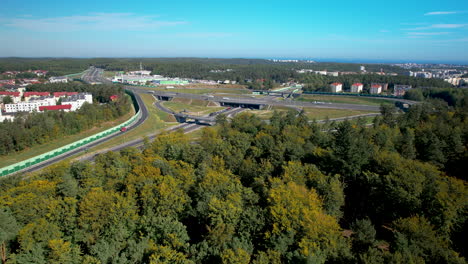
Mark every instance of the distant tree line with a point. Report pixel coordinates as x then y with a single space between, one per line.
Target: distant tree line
287 191
198 68
316 82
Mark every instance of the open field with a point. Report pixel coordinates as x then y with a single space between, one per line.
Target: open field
343 99
109 74
320 113
51 145
311 113
191 106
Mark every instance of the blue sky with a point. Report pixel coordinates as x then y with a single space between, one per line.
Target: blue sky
428 30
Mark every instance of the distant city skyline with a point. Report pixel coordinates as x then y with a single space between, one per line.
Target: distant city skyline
365 32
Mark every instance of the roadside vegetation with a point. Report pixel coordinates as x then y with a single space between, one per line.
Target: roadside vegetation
156 122
34 129
252 192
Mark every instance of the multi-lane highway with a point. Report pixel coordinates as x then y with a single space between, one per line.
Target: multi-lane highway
186 128
94 75
139 121
269 100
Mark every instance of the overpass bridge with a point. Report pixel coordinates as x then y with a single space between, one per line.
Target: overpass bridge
223 101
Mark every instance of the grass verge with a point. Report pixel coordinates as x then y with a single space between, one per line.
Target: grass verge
191 106
343 99
157 120
51 145
311 113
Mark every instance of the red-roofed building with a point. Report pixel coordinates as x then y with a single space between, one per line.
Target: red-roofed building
357 87
16 96
65 108
10 82
114 97
11 72
61 94
28 95
376 89
40 72
336 87
10 93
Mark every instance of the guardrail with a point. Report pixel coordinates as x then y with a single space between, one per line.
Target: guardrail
62 150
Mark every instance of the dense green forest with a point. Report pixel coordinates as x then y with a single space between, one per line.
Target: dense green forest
244 71
198 68
28 130
247 191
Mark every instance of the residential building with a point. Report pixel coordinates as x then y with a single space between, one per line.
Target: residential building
384 86
454 81
400 90
32 105
376 89
15 96
40 72
58 79
6 117
336 87
334 74
31 95
357 87
76 101
58 95
321 72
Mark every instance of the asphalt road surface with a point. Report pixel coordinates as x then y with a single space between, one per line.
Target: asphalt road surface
185 127
270 100
93 75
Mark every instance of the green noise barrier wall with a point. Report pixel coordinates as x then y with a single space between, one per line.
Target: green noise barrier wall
72 146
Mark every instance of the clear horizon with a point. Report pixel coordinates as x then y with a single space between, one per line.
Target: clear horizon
416 31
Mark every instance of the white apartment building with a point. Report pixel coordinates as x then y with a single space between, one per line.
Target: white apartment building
30 106
6 117
336 87
58 79
76 101
357 87
376 89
